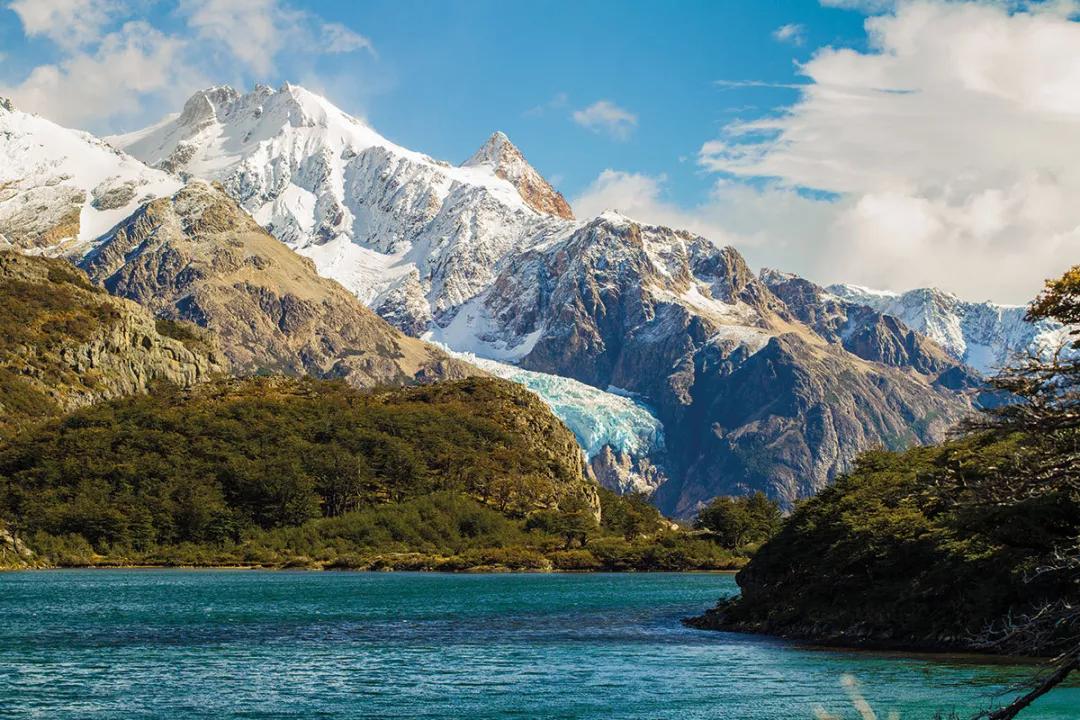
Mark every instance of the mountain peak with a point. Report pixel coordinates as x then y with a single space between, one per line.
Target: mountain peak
6 104
507 162
203 106
495 150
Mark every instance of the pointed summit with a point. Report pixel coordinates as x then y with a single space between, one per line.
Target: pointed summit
507 162
202 107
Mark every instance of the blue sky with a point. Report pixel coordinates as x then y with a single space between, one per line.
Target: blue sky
462 70
892 143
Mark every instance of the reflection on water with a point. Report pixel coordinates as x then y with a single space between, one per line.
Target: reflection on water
243 644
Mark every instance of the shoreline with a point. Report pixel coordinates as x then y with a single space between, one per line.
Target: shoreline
318 569
859 644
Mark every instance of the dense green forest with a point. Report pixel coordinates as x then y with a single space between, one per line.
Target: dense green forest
904 551
274 471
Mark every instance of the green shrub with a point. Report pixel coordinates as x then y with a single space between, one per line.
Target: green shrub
574 560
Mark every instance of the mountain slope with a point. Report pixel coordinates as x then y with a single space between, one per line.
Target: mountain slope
60 189
197 256
986 336
750 397
65 344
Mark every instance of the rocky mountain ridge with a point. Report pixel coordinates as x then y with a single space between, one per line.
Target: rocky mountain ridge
507 162
984 335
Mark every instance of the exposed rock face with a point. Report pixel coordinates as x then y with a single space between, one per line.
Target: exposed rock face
507 162
68 344
405 307
861 330
40 216
14 555
750 394
792 416
623 473
197 256
113 193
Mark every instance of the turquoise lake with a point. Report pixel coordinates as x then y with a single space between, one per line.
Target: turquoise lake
246 644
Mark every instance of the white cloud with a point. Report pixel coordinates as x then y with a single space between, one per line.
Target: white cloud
127 65
952 145
339 39
867 6
253 31
68 23
604 116
113 65
792 33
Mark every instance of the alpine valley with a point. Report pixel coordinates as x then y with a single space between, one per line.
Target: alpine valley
289 228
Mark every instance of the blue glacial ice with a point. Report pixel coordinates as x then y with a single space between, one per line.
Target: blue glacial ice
597 418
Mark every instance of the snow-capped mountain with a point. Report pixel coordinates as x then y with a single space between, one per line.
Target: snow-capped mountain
506 161
60 189
983 335
486 258
392 225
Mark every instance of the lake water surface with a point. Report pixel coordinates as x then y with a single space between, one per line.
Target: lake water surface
246 644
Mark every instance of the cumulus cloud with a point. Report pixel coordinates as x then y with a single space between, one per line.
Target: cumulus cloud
792 33
950 143
604 116
126 66
252 31
68 23
255 31
113 65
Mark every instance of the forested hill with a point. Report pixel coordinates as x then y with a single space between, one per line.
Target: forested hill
179 466
906 552
274 471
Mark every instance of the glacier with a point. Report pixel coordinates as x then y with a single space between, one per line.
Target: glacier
596 417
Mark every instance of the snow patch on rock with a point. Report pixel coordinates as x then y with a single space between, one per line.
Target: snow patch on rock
984 335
